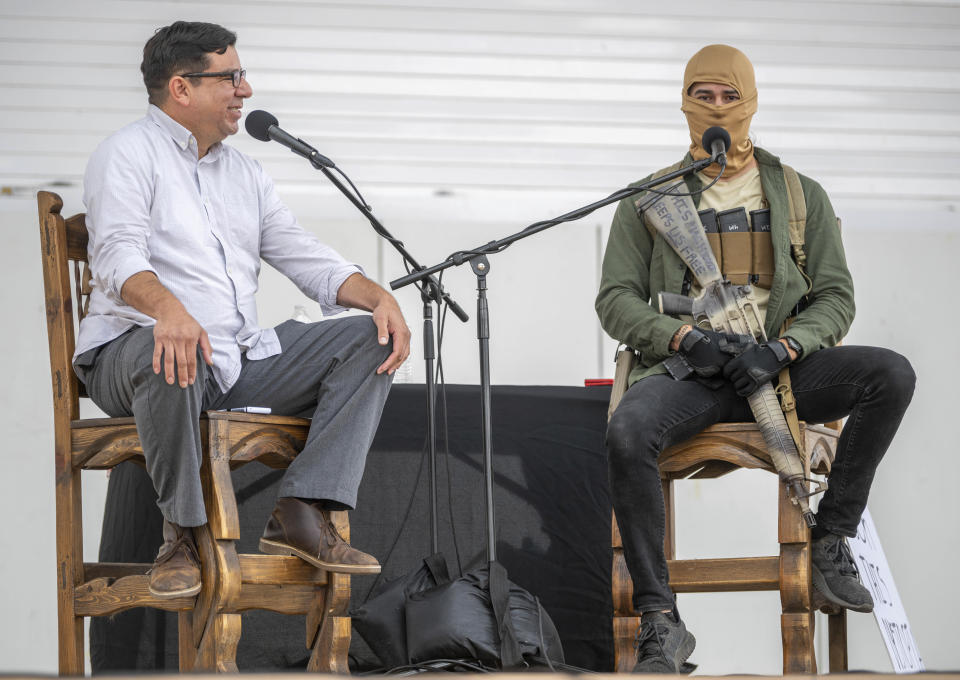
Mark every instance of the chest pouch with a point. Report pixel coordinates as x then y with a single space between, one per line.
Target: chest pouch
735 246
761 244
708 218
742 247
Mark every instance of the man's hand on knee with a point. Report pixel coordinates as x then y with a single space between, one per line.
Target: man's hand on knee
390 323
176 334
175 340
359 291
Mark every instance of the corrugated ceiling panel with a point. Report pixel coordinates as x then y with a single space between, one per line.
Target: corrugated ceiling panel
537 95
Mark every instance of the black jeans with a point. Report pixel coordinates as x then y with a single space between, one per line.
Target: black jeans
871 385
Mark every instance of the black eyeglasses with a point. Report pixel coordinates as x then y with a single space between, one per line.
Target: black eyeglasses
236 77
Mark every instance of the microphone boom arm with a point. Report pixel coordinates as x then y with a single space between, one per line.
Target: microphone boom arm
463 256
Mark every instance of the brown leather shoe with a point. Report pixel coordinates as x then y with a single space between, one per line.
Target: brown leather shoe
301 529
176 571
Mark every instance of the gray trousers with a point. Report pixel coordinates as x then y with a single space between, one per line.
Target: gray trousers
327 371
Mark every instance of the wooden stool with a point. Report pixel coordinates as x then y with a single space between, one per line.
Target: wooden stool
716 451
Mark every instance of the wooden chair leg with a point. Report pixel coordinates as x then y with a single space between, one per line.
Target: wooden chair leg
186 651
213 629
328 627
69 564
797 635
194 624
216 623
219 648
624 623
624 639
797 621
837 634
328 621
69 632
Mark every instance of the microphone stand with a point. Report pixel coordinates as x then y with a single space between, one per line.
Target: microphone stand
477 257
431 291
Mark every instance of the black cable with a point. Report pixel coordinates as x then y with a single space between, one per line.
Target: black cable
442 308
354 187
379 230
553 665
573 669
440 381
403 522
650 200
441 326
667 192
427 666
543 642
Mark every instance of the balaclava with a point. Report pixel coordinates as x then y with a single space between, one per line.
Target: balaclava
727 66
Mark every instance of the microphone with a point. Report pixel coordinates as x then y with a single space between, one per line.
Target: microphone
264 126
715 139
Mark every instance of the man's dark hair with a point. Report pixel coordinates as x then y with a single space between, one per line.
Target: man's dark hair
181 47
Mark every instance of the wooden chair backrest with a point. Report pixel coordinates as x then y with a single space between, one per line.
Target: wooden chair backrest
63 241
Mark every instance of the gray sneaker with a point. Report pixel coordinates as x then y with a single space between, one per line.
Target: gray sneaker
663 645
835 574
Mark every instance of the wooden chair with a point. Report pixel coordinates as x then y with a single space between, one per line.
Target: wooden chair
209 624
714 452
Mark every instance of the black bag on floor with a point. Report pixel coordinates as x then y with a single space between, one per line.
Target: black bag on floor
381 622
484 617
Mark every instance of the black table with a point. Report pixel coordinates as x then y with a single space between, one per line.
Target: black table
552 506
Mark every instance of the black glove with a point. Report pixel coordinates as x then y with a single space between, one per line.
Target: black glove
707 352
756 365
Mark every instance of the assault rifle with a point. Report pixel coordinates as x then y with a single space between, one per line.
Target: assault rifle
727 309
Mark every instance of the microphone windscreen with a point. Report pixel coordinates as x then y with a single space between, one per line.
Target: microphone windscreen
709 137
257 124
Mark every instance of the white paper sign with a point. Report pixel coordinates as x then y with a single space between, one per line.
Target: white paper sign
887 606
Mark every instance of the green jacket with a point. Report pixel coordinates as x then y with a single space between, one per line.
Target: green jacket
637 267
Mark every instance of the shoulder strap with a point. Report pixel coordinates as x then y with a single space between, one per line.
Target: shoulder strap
798 225
788 403
656 175
798 215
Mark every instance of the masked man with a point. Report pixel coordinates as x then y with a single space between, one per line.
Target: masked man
872 386
179 223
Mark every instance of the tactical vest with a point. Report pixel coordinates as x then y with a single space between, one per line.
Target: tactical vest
747 257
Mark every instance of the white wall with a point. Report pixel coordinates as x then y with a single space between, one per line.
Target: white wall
463 121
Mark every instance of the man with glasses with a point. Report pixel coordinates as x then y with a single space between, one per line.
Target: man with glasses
178 224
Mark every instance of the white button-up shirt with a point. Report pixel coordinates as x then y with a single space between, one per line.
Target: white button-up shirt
202 227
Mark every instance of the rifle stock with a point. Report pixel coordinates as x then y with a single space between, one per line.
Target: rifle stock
727 309
675 305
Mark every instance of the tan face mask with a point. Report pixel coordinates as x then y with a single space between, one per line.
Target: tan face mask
727 66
